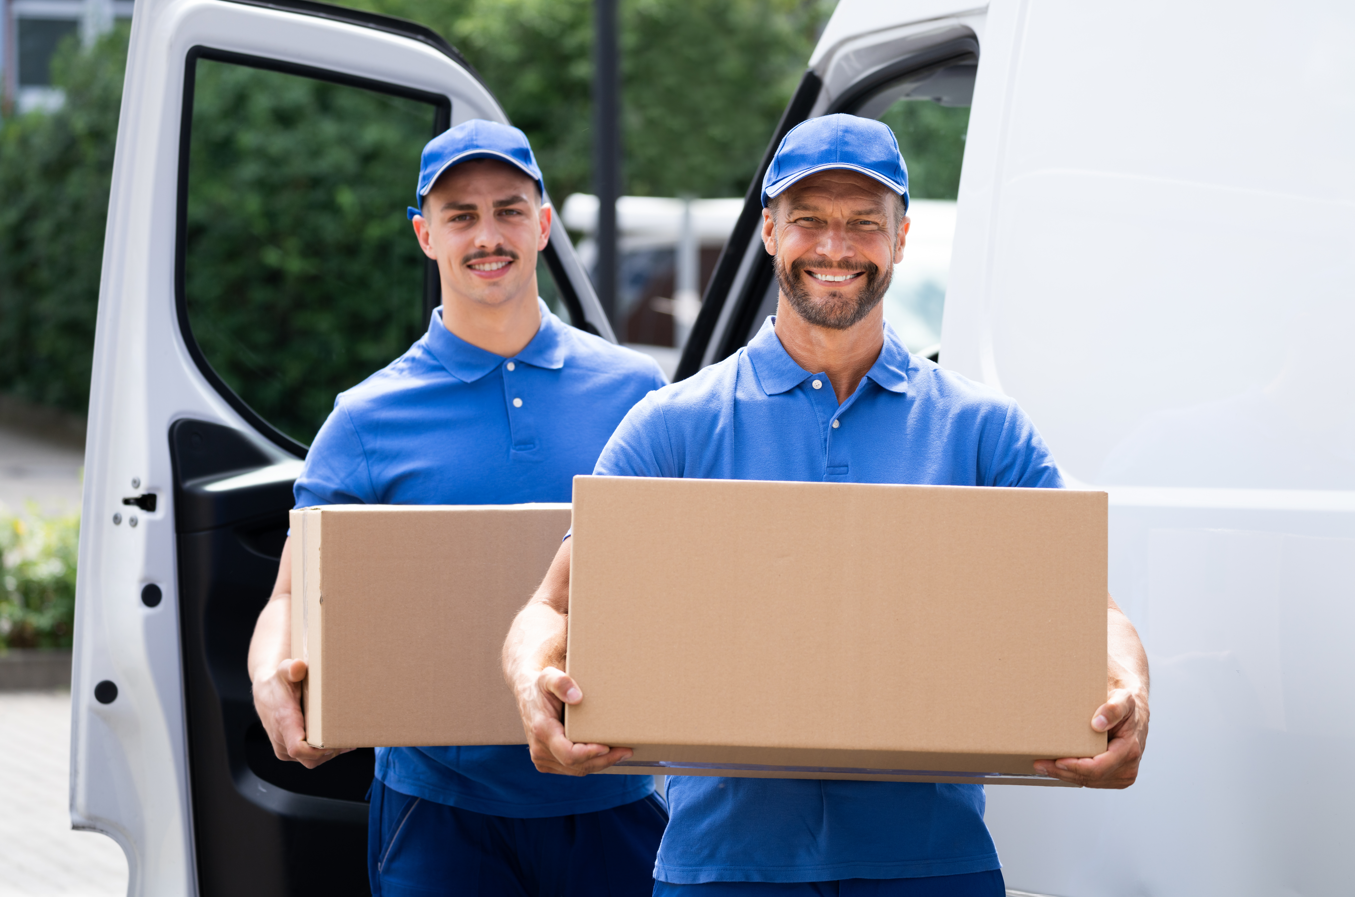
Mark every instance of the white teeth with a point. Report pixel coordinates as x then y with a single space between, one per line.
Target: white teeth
490 266
831 278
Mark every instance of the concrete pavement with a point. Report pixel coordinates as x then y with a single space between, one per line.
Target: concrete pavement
40 856
39 853
43 471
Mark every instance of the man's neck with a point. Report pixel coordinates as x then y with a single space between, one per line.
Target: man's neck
502 329
844 355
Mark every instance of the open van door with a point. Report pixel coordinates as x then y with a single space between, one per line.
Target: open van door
226 307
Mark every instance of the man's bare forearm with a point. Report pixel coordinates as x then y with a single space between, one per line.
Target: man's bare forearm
536 639
271 643
1128 663
277 685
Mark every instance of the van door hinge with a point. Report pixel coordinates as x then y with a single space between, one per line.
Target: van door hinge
144 502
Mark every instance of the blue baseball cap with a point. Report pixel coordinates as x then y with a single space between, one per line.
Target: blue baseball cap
474 139
837 141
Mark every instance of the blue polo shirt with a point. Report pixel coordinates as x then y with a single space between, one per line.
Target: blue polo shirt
760 416
450 423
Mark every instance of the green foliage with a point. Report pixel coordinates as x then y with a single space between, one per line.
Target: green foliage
302 273
37 579
703 81
301 282
54 179
932 139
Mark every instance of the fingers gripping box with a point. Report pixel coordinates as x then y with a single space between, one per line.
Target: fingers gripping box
401 611
815 630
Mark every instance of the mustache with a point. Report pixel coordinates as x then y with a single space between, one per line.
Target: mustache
500 250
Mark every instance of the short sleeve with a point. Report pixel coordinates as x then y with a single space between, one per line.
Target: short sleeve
640 446
1019 456
336 471
659 377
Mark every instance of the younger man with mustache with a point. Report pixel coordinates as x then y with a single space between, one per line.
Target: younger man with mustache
827 392
499 402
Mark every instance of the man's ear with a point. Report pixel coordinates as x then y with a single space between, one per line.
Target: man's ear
769 231
546 215
903 238
424 235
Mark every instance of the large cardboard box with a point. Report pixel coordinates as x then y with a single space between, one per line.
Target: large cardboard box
815 630
401 613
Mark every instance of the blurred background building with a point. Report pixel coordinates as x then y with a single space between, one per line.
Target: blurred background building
669 247
31 31
667 252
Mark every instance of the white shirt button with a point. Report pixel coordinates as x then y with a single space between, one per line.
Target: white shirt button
517 403
511 366
818 384
835 424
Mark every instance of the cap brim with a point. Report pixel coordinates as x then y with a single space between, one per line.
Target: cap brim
776 189
472 155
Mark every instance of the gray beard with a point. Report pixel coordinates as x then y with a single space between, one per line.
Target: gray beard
836 311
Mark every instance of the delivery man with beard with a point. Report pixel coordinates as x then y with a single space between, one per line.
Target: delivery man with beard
827 392
499 402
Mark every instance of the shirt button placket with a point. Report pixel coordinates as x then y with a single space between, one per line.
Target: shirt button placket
521 431
837 462
834 462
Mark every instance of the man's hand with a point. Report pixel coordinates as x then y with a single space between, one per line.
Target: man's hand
277 678
532 656
1125 717
541 702
277 699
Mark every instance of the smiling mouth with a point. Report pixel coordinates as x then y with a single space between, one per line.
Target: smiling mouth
834 278
489 266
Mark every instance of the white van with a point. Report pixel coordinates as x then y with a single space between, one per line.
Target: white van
1154 252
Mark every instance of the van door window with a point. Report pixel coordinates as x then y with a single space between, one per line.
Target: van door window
928 111
300 273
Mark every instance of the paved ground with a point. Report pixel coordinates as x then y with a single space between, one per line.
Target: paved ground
39 854
37 470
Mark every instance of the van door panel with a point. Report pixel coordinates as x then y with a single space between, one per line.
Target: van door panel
177 768
296 825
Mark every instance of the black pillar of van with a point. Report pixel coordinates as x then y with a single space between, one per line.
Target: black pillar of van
607 154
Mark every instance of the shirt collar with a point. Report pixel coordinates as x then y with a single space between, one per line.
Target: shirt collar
779 373
890 370
469 363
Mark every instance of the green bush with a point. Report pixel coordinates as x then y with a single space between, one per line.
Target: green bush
37 579
704 82
297 191
55 170
302 275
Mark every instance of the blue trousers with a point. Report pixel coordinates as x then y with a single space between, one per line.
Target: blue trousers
418 847
977 884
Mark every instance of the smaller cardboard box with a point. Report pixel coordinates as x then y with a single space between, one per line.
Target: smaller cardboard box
817 630
401 612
